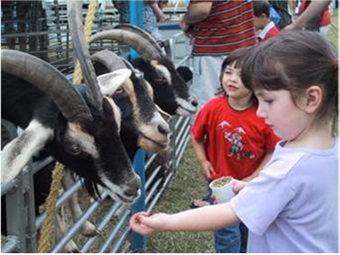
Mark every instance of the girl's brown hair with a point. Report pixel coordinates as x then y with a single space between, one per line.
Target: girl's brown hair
295 61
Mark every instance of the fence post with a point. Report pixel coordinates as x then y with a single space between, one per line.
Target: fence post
138 241
135 18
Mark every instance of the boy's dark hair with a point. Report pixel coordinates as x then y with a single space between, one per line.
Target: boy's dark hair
294 62
261 7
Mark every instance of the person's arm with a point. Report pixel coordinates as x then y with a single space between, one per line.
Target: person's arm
205 165
256 173
207 218
314 9
197 12
158 11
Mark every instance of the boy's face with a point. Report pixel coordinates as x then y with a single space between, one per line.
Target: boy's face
260 21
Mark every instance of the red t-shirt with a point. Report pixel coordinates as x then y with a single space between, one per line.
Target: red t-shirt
269 31
229 26
236 141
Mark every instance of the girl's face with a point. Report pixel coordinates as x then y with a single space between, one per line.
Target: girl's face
281 113
232 83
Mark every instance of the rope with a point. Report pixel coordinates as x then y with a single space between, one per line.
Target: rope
87 31
46 240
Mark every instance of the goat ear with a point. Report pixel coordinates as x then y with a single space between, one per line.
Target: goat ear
18 152
110 82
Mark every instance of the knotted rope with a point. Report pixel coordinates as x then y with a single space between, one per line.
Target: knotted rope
46 240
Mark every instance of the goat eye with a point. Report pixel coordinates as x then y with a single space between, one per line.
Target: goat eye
74 149
119 91
159 80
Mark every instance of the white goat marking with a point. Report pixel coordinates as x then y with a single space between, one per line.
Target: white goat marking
186 108
165 72
82 138
18 152
158 119
149 89
116 111
112 188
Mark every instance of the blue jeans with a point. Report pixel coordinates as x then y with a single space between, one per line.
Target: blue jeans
232 239
228 240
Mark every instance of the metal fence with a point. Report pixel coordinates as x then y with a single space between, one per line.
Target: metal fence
110 217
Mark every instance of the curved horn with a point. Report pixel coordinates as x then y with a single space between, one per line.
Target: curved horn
131 39
49 80
109 59
129 65
112 61
142 33
74 15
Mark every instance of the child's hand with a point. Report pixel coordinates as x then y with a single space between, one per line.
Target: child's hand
144 224
238 185
207 169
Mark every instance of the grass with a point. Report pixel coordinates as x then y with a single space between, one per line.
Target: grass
333 33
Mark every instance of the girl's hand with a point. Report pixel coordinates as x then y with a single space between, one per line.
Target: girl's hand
238 185
145 224
207 169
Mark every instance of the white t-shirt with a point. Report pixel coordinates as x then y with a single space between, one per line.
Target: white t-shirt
293 205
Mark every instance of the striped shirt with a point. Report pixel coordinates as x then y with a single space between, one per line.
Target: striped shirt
229 26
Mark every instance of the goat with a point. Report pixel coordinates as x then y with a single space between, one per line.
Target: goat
64 121
171 91
142 124
77 126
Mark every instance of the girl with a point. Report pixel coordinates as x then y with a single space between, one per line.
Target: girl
293 205
230 140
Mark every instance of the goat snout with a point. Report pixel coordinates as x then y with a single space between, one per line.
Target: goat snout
132 187
194 102
163 129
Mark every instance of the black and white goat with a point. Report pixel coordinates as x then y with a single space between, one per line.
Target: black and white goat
171 92
77 126
143 122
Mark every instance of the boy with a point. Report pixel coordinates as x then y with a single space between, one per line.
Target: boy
264 26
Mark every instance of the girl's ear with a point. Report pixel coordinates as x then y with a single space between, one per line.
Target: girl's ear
313 98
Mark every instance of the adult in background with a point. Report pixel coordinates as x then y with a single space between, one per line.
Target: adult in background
282 8
312 15
152 13
217 28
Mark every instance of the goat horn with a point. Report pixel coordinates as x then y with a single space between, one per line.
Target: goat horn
49 80
74 9
142 33
131 39
109 59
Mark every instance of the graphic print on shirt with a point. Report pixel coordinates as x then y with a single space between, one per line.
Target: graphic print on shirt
236 138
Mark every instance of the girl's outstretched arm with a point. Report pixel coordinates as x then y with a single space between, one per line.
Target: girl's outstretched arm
205 218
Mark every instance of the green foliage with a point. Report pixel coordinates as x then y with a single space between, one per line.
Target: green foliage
333 33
